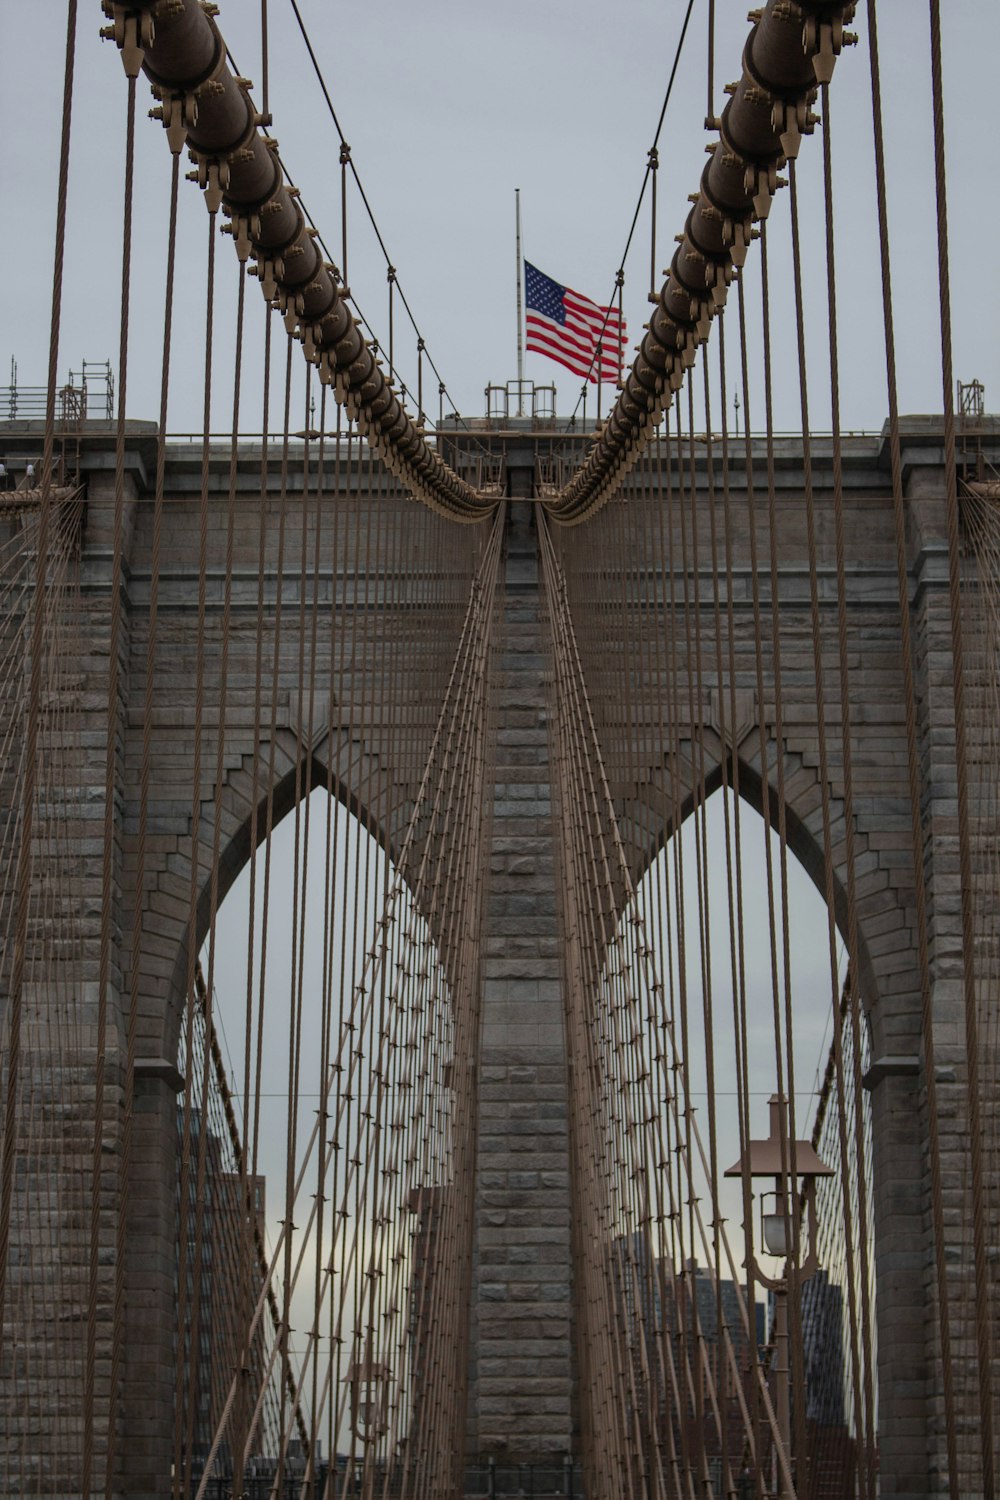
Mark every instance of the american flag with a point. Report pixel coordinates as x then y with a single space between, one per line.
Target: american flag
568 327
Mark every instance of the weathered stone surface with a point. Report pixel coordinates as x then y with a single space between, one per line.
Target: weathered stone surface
523 1183
521 1308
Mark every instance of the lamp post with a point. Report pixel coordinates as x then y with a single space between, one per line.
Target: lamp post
789 1163
369 1381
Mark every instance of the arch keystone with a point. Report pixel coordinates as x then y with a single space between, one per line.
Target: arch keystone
747 717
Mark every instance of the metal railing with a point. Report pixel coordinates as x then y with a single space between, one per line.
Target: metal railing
491 1481
498 1481
88 395
520 400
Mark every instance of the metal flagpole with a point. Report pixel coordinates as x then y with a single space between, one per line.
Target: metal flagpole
520 319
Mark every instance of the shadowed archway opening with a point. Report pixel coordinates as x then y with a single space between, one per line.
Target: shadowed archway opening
318 1061
725 955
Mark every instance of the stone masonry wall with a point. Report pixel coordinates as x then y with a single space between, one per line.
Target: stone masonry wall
520 1406
521 1386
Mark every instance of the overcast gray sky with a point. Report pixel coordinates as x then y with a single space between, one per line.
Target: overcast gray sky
450 105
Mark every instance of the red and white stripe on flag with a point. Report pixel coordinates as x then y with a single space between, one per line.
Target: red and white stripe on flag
569 328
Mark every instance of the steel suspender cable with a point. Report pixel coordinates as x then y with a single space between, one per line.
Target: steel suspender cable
789 52
204 105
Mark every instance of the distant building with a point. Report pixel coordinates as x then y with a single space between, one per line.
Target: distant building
671 1317
427 1206
832 1447
637 1277
212 1282
199 1255
695 1310
823 1349
707 1301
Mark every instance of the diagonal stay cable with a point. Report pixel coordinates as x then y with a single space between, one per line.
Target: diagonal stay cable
317 69
789 52
236 170
365 322
645 183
